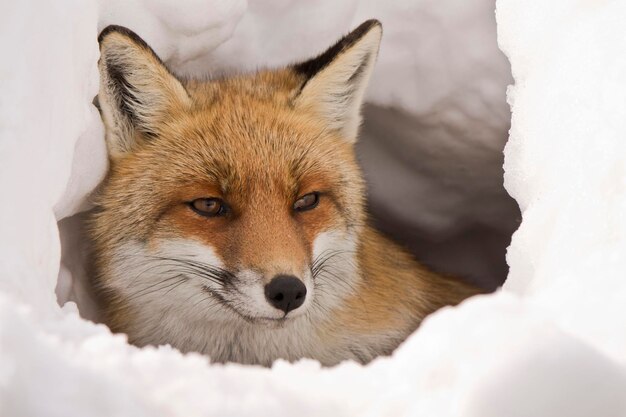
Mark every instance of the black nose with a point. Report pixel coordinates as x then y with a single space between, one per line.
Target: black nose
285 292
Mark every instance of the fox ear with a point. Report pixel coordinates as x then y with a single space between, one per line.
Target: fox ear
335 81
137 92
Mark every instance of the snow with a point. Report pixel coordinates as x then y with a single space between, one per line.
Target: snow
551 342
565 166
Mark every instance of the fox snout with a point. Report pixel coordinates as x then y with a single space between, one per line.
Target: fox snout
273 294
285 292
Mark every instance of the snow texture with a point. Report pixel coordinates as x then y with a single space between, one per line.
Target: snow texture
551 342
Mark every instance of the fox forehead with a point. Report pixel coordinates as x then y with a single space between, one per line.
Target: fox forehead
242 134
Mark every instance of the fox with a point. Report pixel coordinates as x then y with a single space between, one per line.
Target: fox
232 220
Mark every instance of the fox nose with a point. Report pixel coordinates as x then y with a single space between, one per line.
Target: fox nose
285 292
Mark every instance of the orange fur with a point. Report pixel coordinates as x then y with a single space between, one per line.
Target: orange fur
258 142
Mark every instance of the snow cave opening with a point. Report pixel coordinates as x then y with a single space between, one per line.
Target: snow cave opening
435 126
434 176
475 253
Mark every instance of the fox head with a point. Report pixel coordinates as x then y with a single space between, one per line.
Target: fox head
231 199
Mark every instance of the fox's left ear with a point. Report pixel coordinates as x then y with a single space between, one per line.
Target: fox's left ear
138 94
335 81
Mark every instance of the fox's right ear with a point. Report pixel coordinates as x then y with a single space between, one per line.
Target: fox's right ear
335 81
137 92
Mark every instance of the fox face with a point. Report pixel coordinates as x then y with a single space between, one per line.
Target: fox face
228 201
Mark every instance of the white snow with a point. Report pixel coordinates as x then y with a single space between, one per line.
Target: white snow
566 165
551 343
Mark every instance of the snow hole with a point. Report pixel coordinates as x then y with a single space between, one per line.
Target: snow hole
551 342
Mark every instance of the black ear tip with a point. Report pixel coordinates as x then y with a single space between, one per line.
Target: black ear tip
368 25
123 31
313 66
110 29
360 31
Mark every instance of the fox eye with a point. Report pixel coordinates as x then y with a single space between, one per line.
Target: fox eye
307 202
209 207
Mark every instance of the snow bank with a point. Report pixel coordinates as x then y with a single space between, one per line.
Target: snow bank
566 165
552 342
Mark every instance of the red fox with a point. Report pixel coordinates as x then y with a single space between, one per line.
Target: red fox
232 221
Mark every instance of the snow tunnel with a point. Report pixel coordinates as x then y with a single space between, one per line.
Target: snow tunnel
477 127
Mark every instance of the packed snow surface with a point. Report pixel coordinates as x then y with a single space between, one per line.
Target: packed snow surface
552 342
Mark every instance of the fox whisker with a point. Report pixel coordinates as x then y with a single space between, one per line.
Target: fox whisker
151 289
322 260
199 269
